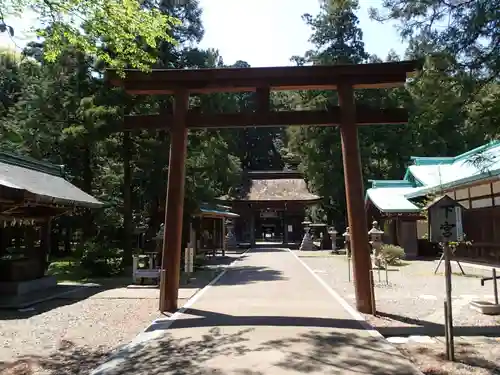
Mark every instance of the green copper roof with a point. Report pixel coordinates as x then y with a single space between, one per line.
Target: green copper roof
431 174
391 199
42 179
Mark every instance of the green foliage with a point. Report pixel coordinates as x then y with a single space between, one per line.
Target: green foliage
99 260
392 254
60 108
124 27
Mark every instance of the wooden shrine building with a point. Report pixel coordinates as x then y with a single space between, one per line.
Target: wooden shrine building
471 178
32 194
271 205
182 83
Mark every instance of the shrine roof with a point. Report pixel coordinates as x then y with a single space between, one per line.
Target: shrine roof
431 175
43 180
255 188
206 212
167 81
446 173
391 199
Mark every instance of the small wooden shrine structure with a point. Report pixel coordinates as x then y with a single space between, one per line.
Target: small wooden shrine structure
32 193
271 205
181 83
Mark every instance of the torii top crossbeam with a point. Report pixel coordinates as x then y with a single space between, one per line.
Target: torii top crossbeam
167 81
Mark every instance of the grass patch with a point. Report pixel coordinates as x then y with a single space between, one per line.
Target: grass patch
70 270
67 270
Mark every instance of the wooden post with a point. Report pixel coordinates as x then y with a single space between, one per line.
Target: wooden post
127 200
448 313
355 201
172 237
223 237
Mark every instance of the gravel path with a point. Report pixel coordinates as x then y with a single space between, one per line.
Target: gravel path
414 295
412 304
71 336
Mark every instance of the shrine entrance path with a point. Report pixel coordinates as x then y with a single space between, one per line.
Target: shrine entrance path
268 314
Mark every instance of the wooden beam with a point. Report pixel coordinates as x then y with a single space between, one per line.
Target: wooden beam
364 116
356 213
167 81
263 99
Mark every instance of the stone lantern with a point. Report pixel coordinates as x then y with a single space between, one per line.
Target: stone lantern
307 242
347 241
375 238
230 238
333 235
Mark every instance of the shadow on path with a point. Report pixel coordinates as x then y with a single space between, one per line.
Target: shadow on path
426 328
321 353
212 319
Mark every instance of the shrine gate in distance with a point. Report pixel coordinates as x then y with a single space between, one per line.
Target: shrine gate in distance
344 78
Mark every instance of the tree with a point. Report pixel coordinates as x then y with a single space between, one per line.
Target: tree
124 27
467 29
337 39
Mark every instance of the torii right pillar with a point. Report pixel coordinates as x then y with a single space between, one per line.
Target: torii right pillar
354 192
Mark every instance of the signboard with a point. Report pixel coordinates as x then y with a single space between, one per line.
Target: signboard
189 260
290 228
445 220
268 214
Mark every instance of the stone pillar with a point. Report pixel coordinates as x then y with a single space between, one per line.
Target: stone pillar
230 240
333 235
375 236
307 242
347 242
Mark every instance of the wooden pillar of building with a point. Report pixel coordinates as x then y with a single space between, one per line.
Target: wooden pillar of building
127 200
355 201
171 257
285 228
252 227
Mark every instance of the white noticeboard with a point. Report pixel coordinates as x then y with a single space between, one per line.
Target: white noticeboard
446 221
189 260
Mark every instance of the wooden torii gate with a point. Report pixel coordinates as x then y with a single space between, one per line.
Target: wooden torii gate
343 78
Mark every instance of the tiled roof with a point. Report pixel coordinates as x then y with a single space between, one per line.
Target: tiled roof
42 179
276 189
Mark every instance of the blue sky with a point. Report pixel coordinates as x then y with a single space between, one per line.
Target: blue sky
262 32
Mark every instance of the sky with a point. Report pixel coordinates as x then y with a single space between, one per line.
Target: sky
260 32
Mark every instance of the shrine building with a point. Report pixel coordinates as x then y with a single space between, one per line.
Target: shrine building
271 206
471 178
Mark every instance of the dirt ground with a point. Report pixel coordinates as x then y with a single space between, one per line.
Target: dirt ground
473 355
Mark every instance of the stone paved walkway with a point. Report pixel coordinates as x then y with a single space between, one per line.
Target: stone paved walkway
267 315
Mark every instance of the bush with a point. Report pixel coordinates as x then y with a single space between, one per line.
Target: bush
392 254
100 260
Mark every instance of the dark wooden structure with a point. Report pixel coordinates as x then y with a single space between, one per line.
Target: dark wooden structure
271 205
32 194
343 78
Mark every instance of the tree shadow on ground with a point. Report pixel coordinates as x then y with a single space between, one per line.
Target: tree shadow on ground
68 360
468 359
249 275
221 351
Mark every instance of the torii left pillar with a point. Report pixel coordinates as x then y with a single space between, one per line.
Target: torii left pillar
172 236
